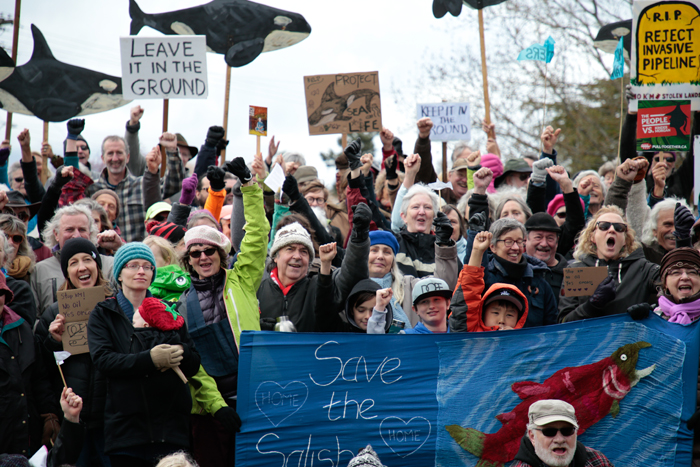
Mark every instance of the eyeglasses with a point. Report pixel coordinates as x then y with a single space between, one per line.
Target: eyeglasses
160 217
552 432
18 179
314 201
197 253
679 272
561 215
509 242
618 226
524 176
136 267
82 148
16 239
666 159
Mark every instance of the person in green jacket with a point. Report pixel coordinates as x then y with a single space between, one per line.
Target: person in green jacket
220 304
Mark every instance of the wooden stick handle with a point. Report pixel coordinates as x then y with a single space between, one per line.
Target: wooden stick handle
485 73
62 377
227 96
180 374
15 41
163 155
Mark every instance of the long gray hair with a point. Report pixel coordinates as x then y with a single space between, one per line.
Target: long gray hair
49 232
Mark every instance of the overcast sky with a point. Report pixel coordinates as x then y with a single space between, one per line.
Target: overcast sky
394 37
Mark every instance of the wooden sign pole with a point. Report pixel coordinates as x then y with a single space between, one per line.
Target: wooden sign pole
163 155
15 40
622 115
444 161
344 141
257 144
484 73
227 96
44 157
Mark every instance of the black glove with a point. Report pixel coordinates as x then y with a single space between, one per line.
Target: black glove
267 324
75 127
228 417
4 155
238 168
478 222
214 135
604 293
291 188
639 311
221 145
216 178
390 164
362 216
352 152
443 229
683 220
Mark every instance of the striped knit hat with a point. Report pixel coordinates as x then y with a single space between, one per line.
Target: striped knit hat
167 230
134 250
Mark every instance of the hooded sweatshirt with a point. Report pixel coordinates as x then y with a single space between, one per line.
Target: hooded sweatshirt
379 323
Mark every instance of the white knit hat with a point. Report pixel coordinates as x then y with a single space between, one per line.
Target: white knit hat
206 235
291 234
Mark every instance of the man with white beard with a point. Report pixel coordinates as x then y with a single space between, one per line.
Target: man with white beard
542 243
551 439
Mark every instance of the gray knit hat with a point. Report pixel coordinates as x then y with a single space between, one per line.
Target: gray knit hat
291 234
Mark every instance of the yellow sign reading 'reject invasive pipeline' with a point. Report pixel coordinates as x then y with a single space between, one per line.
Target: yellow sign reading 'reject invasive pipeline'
668 44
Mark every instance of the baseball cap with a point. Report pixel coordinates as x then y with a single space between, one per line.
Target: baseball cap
429 287
552 410
506 295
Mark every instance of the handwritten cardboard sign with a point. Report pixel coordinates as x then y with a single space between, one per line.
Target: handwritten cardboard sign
257 120
451 121
343 103
168 67
663 126
76 306
581 282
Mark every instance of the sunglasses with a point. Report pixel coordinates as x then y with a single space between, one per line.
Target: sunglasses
208 252
561 215
82 148
667 159
552 432
160 217
17 239
618 226
19 179
524 176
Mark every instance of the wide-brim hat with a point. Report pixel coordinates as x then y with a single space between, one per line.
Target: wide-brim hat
181 141
16 200
542 221
513 166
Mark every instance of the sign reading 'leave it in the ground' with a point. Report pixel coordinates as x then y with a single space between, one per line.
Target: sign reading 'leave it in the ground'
451 121
663 126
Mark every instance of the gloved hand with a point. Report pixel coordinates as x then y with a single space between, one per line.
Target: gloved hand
443 229
390 164
214 135
362 216
352 152
221 145
75 127
160 354
4 155
639 311
478 222
291 188
228 417
189 188
539 172
216 178
239 168
604 293
267 324
51 429
683 220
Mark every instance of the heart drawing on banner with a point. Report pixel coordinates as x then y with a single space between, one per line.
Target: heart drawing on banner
404 437
278 402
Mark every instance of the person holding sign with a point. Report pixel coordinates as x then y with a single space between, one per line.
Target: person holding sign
82 268
609 241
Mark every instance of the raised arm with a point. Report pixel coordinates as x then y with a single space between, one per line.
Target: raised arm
137 163
426 174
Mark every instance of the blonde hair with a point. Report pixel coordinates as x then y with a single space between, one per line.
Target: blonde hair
585 243
167 250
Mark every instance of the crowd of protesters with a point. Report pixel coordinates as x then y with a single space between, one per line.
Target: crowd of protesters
190 252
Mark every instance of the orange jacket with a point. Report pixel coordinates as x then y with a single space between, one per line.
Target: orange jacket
472 281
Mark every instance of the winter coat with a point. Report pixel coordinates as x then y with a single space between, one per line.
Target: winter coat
635 279
555 275
399 314
144 405
328 320
416 256
23 302
467 303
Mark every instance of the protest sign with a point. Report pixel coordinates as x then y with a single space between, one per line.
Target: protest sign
76 305
451 121
343 103
257 120
314 398
663 126
665 61
696 154
581 282
170 67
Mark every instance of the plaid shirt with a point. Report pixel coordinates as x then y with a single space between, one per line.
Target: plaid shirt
132 216
74 190
593 459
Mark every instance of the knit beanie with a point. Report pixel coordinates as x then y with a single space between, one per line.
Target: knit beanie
494 163
200 214
557 202
159 315
133 250
167 230
291 234
685 257
382 237
78 245
107 191
205 235
366 458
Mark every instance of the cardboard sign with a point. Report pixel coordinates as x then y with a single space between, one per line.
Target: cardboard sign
663 126
343 103
451 121
170 67
581 282
257 120
76 305
665 61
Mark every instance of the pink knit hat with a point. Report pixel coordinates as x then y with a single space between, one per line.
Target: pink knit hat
206 235
494 163
557 202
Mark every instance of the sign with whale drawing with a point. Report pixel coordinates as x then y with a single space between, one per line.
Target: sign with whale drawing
343 103
462 399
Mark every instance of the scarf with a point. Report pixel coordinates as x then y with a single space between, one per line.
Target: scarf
20 267
515 270
680 313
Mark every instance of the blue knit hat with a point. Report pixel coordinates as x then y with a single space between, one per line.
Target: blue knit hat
134 250
382 237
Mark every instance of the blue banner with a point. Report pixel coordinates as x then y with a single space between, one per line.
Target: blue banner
316 399
619 63
540 52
